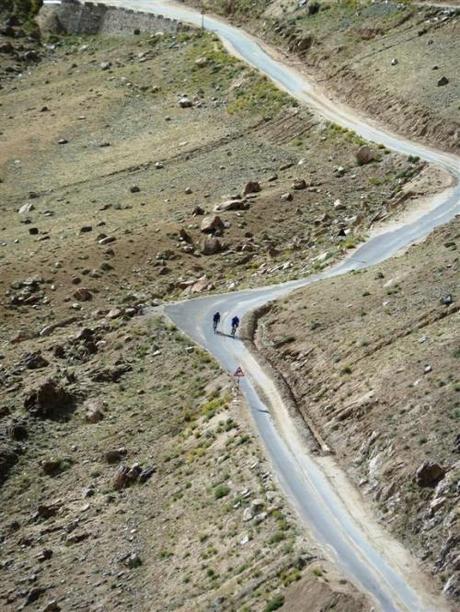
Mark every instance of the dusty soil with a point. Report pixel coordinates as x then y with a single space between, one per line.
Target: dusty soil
101 172
206 523
128 482
386 59
111 208
373 362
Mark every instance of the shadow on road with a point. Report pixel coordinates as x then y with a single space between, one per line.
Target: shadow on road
220 333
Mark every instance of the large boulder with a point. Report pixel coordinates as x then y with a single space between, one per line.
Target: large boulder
49 400
212 224
429 474
364 155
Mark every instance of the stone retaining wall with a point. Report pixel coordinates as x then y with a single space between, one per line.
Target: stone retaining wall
73 17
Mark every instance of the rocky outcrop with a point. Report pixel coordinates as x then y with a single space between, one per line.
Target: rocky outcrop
49 400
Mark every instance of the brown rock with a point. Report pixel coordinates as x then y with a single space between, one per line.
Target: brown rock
185 236
95 410
114 313
429 474
52 466
212 224
197 211
115 455
83 295
49 400
235 204
211 246
252 187
299 184
364 155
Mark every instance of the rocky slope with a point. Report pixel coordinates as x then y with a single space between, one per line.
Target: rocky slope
373 362
397 62
120 470
129 483
135 170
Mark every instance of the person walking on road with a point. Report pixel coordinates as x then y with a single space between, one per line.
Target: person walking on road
215 321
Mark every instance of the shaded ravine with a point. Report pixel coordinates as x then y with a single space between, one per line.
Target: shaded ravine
369 557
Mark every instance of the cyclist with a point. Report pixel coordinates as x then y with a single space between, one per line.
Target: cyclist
215 321
235 325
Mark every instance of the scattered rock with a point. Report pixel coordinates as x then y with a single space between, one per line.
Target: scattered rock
185 102
84 229
26 208
429 474
95 410
8 457
49 400
235 204
46 511
133 561
134 189
304 43
252 187
338 205
54 466
106 240
185 236
197 211
442 81
299 184
34 361
34 594
105 65
394 61
115 455
287 197
211 246
45 554
62 141
51 606
364 155
212 224
110 373
83 295
114 313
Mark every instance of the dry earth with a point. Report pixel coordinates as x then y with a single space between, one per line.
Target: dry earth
103 174
106 179
201 525
373 362
129 483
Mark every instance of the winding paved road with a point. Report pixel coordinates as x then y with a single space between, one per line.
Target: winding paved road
377 564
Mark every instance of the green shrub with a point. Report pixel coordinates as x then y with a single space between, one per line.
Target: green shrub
275 603
221 491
